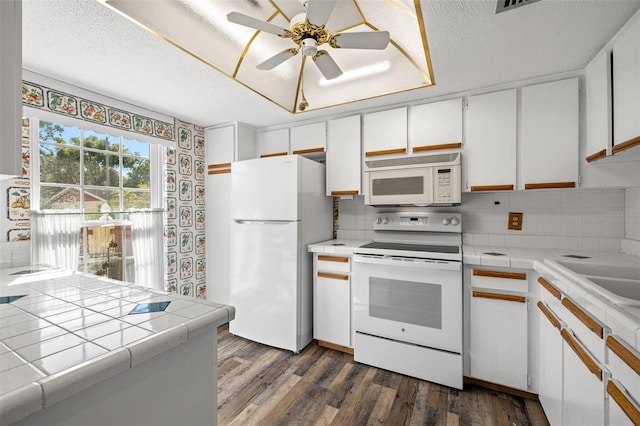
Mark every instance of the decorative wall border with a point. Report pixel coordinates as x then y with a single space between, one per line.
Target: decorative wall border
42 97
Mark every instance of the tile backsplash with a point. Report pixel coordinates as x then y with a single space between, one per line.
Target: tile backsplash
581 219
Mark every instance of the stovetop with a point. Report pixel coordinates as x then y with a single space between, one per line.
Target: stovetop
400 247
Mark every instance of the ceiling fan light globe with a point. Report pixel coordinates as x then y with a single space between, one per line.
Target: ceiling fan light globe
309 47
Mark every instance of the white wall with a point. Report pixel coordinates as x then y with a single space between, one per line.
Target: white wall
580 219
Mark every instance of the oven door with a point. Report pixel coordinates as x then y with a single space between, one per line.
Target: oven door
409 300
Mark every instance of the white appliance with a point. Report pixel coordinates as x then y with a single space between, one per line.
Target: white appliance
278 207
428 180
408 296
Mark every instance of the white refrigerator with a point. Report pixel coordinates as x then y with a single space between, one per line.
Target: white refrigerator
278 207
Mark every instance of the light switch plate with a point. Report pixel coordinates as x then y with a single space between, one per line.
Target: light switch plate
515 221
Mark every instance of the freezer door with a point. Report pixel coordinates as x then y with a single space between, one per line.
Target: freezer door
265 188
264 282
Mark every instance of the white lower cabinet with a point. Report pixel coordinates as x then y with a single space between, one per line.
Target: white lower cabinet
497 339
624 386
550 356
583 378
498 351
332 301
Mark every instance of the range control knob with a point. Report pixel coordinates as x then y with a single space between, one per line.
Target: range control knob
446 221
455 221
385 220
378 220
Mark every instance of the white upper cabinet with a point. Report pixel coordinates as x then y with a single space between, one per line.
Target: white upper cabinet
435 126
273 142
220 145
385 132
626 86
10 82
344 160
550 135
309 139
490 145
226 144
598 107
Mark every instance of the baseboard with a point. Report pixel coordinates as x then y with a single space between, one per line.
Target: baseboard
340 348
500 388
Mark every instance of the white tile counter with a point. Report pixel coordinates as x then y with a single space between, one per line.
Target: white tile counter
66 334
623 320
343 247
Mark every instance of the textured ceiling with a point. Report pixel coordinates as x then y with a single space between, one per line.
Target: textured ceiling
88 45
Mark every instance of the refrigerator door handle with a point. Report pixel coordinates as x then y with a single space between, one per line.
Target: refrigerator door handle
264 222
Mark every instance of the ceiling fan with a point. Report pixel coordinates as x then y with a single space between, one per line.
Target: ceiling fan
308 31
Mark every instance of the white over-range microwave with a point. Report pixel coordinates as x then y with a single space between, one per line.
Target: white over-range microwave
428 180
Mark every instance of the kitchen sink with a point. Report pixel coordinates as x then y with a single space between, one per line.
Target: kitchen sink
619 284
599 270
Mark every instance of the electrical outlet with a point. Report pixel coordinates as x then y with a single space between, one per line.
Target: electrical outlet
515 221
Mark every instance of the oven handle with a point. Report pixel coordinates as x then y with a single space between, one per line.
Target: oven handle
408 262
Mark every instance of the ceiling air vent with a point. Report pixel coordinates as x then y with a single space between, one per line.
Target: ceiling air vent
504 5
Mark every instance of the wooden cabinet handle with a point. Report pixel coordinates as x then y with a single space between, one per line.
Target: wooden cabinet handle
333 259
549 185
628 407
386 152
547 313
550 288
582 353
423 148
308 151
491 188
499 274
585 318
349 192
624 353
596 156
333 276
499 296
218 172
219 166
619 147
275 154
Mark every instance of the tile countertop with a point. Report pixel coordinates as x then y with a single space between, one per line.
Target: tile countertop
69 331
624 321
344 247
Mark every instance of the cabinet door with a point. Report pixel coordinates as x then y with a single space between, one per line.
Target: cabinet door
220 146
332 308
273 143
344 160
385 132
218 238
550 358
498 348
598 107
626 85
583 384
490 145
435 126
309 139
550 135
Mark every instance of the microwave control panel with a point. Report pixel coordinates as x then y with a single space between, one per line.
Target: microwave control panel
446 185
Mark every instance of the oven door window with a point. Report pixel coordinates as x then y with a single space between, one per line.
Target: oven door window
406 302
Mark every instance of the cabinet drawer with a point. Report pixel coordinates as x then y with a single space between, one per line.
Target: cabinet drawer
623 408
334 263
624 364
499 280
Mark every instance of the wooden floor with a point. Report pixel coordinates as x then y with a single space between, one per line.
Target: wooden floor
261 385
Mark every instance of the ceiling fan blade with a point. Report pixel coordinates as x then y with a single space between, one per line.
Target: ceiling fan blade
277 59
327 65
319 11
362 40
248 21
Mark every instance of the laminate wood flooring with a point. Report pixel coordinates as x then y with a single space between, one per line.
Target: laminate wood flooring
261 385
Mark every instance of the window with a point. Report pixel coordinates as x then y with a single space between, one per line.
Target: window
82 169
103 176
